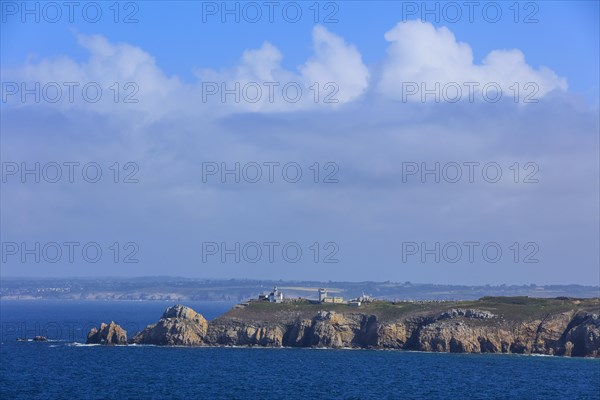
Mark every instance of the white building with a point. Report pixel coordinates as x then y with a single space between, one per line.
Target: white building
276 296
322 295
325 298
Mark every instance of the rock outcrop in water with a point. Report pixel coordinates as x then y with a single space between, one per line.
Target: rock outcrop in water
108 334
566 327
178 326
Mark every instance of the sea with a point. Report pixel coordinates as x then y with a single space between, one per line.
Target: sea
66 368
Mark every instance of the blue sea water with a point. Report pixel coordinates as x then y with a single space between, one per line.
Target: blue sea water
63 369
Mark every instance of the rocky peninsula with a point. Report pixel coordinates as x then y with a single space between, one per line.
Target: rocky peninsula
521 325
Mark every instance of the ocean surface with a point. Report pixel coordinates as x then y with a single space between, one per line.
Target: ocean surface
65 368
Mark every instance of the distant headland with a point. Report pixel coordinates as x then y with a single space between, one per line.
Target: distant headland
523 325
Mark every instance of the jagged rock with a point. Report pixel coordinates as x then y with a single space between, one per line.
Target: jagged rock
568 349
446 336
392 336
549 332
178 326
459 312
183 312
583 336
327 330
108 334
298 335
236 333
367 336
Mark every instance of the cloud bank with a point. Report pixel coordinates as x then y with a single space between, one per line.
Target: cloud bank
370 134
418 54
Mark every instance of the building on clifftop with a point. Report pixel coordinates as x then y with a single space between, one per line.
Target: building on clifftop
276 296
325 298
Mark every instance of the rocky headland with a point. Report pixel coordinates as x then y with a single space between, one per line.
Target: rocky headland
522 325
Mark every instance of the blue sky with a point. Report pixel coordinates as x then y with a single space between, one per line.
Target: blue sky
564 38
367 139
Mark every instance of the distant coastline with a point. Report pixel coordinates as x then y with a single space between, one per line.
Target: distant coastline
175 289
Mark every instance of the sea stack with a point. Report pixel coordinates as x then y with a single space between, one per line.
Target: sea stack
107 334
178 326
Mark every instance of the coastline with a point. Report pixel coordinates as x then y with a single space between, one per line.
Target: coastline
561 327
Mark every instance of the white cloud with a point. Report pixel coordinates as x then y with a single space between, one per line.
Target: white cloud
141 87
420 53
335 61
261 63
123 62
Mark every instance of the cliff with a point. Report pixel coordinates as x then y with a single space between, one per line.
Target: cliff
521 325
562 326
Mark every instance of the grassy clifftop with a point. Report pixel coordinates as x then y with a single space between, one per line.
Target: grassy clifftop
511 308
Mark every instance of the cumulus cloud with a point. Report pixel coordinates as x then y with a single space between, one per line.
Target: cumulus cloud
261 63
334 75
337 62
117 79
422 54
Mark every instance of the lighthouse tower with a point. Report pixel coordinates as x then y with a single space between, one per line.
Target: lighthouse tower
322 295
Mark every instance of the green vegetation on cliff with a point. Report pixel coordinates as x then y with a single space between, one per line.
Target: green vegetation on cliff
513 308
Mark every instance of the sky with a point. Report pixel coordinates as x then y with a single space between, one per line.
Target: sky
341 141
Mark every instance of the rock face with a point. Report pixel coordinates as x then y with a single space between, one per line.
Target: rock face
459 312
582 337
566 332
178 326
108 334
